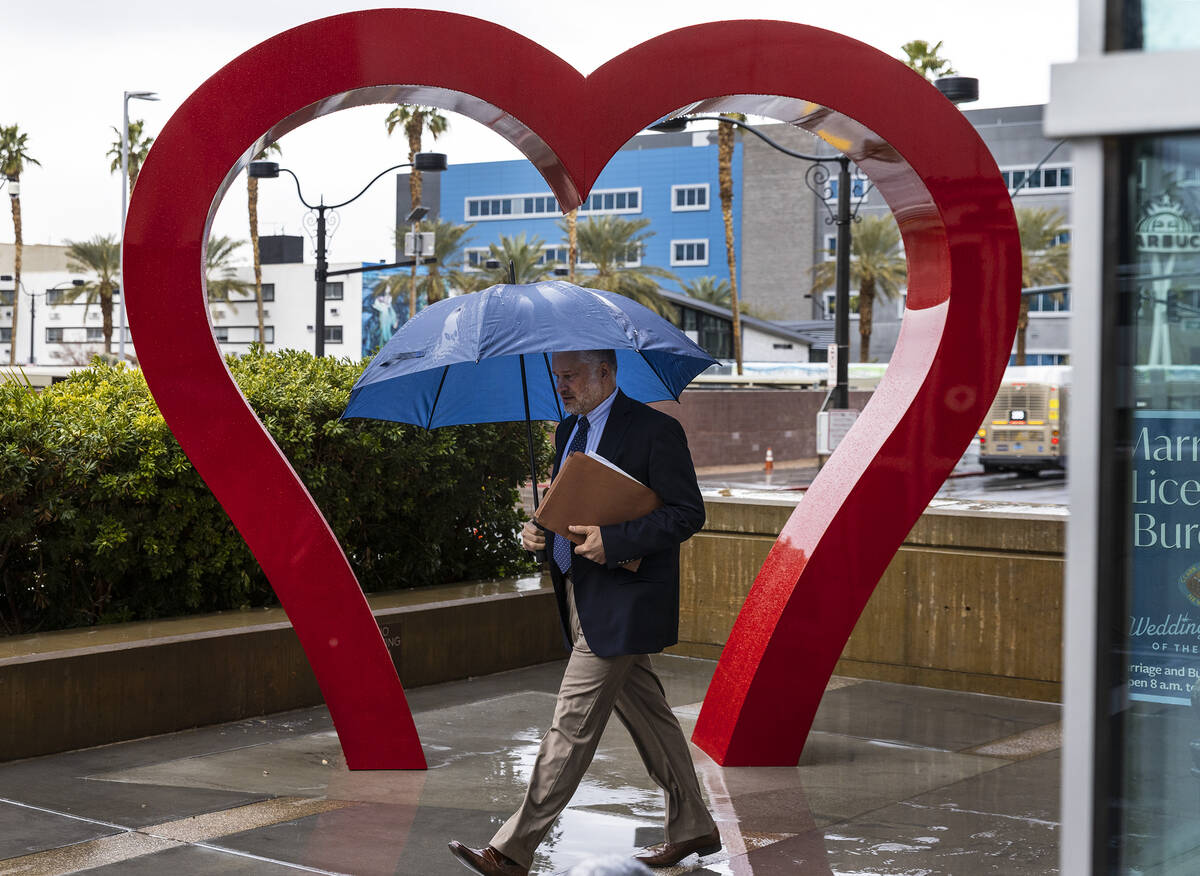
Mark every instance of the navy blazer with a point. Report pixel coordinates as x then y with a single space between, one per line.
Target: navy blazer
625 612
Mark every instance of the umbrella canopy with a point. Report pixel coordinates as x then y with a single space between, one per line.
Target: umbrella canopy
485 357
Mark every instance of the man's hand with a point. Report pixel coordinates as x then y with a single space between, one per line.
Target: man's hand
532 538
592 547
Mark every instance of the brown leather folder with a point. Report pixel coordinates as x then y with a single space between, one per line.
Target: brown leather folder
590 491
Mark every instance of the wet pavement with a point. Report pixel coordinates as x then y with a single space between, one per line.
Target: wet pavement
968 482
895 780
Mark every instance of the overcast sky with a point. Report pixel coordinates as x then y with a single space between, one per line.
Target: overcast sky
70 60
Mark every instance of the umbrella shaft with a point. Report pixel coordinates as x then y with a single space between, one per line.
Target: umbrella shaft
540 556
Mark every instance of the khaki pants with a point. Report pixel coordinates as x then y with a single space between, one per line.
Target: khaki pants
592 688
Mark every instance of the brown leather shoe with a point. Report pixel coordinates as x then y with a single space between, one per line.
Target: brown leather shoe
670 854
486 861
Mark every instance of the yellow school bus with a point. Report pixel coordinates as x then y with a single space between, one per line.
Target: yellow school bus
1026 427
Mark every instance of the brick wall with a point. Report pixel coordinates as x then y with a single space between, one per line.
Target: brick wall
736 426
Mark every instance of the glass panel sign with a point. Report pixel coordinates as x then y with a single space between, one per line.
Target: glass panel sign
1156 728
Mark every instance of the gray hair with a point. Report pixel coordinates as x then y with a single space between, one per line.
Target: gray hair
595 357
610 865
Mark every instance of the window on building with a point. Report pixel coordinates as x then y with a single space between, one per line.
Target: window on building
5 334
222 334
7 296
54 296
333 334
689 252
268 291
860 187
612 201
1042 359
54 336
633 259
333 291
488 208
1055 178
543 205
830 297
474 257
829 253
534 206
689 197
553 255
268 332
1050 302
94 334
711 332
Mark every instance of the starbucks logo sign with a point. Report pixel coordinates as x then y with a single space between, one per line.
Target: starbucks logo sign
1167 229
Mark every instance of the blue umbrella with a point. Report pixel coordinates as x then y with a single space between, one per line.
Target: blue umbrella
485 357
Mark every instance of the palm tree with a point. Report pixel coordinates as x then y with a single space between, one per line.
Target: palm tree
725 138
139 148
475 280
252 204
100 256
448 241
709 289
219 275
415 120
925 59
13 156
877 267
1044 261
610 244
526 255
572 223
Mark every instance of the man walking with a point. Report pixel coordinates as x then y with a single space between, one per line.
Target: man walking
613 618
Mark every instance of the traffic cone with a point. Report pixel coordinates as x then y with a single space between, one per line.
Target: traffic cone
769 464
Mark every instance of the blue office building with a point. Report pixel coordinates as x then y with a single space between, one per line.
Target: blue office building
670 179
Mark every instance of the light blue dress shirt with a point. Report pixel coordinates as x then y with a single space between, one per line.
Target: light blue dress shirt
597 418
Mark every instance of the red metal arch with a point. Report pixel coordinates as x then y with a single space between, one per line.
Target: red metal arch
926 160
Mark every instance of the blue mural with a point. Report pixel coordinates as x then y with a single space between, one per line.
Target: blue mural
384 305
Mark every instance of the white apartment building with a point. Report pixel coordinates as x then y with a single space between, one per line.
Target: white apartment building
53 329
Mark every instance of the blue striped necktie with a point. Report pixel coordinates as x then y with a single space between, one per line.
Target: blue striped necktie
563 548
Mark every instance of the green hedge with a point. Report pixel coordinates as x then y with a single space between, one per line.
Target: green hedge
102 517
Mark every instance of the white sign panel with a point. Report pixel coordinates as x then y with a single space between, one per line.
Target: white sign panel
832 427
426 244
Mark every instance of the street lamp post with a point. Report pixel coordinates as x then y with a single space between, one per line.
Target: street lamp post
840 397
33 296
415 215
129 95
423 161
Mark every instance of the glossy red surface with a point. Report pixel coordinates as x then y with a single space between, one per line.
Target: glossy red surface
964 280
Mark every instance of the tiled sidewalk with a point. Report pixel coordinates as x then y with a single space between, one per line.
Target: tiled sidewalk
894 780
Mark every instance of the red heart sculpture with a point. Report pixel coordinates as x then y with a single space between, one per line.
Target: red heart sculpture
939 179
